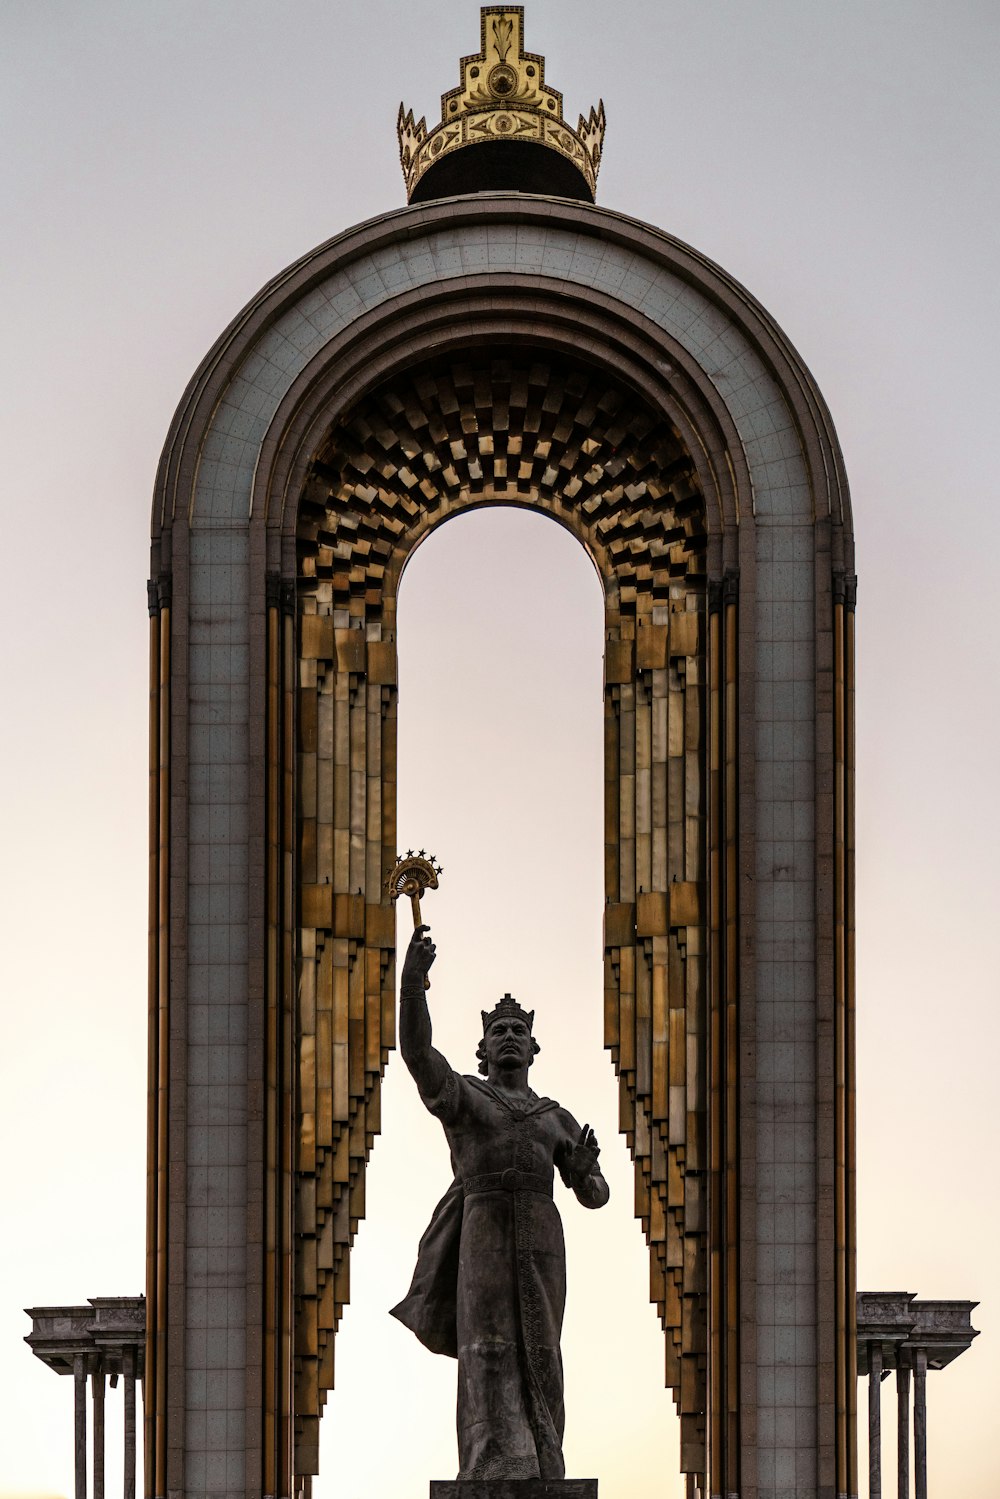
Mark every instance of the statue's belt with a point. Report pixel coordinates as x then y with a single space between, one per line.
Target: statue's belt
507 1181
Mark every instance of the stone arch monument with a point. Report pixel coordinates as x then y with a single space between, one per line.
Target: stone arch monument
502 340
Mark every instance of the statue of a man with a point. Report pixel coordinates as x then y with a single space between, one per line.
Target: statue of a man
490 1282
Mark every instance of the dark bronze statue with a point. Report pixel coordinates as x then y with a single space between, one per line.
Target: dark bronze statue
490 1283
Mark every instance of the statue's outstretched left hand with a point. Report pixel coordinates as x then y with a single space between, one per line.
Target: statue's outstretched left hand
578 1162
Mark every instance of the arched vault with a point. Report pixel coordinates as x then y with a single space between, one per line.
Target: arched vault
502 349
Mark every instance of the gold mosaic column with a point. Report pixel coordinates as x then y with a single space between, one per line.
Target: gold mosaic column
346 1000
655 954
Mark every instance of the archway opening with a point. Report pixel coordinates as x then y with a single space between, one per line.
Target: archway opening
538 430
501 627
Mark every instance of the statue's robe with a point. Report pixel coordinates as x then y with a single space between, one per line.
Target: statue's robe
490 1283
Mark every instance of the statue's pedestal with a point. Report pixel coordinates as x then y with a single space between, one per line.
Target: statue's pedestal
513 1488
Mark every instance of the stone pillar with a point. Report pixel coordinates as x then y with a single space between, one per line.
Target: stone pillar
903 1432
128 1363
875 1421
920 1421
80 1424
97 1391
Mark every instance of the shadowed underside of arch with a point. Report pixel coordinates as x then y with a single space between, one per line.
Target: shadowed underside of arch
516 426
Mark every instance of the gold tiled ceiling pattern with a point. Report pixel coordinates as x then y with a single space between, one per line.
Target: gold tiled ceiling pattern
565 439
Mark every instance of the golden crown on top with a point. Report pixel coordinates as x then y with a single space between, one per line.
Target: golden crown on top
503 97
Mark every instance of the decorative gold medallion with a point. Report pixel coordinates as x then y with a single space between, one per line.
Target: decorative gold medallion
411 875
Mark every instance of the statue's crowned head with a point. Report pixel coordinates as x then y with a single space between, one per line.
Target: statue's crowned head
506 1010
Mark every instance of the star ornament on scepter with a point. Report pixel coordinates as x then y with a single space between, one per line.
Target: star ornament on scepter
411 875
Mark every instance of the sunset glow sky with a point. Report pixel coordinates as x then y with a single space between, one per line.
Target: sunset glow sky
164 159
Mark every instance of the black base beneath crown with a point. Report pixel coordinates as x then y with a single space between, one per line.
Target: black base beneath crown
513 1488
503 167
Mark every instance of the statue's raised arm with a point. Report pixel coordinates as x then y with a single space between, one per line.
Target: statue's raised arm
427 1066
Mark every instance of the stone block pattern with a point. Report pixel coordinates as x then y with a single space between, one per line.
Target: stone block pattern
786 1196
215 1312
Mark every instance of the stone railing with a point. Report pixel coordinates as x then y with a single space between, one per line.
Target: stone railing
103 1340
896 1331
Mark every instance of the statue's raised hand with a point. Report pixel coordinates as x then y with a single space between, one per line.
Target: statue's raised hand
419 956
578 1162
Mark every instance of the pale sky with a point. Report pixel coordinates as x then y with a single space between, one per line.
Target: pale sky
163 159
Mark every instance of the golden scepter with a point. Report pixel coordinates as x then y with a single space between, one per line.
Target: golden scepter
411 875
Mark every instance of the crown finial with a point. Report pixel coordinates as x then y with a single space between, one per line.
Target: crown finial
504 108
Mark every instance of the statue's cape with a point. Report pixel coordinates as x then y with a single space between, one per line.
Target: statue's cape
429 1307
